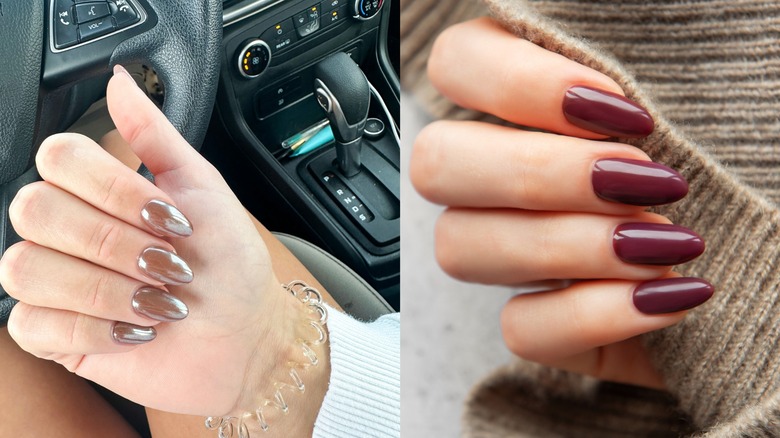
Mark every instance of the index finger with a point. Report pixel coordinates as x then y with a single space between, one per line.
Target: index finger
81 167
525 84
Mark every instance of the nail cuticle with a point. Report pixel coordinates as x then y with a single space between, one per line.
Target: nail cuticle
164 266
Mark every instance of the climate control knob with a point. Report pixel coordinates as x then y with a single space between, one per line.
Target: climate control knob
366 9
254 58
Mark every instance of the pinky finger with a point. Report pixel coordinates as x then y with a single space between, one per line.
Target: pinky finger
63 336
576 326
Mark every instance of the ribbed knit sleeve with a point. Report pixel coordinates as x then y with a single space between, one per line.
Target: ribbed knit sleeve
364 396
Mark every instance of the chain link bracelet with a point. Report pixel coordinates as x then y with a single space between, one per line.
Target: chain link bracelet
316 317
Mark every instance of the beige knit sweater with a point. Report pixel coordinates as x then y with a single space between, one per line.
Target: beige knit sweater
709 72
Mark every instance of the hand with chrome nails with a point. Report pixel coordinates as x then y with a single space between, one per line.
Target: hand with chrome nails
162 292
529 206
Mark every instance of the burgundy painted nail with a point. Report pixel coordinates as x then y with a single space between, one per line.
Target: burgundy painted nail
671 295
656 244
606 113
637 182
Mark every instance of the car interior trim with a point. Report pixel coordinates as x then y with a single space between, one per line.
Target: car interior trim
238 13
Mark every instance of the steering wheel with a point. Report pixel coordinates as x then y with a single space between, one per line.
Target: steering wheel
179 39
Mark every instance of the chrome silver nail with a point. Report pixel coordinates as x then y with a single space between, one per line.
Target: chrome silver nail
166 219
164 266
159 305
125 333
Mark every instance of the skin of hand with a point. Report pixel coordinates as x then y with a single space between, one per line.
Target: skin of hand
529 209
77 271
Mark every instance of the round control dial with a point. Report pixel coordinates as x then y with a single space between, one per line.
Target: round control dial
366 9
254 58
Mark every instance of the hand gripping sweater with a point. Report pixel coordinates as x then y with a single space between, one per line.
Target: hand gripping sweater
709 73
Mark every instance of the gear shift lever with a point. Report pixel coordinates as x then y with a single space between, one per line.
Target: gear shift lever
342 91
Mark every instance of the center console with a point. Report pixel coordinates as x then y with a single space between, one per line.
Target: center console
293 66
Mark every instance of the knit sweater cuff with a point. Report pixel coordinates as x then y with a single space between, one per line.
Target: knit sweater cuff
364 396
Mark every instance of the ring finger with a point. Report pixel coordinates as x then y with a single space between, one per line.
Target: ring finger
529 85
516 246
43 277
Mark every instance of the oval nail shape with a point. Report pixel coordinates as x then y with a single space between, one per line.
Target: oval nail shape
637 182
606 113
125 333
166 219
165 266
656 244
671 295
159 305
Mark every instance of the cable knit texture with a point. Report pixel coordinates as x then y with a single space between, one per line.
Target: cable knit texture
709 73
364 396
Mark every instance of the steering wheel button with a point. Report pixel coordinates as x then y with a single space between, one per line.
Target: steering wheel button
123 13
64 24
91 11
94 29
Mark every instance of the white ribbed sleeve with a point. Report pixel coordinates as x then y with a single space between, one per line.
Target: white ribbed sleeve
364 396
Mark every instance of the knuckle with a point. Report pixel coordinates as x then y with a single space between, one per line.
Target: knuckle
446 52
19 322
424 166
446 248
13 268
75 329
26 205
525 187
95 294
105 240
111 190
440 52
514 333
55 150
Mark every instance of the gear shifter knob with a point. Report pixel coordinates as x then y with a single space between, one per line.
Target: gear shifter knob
342 91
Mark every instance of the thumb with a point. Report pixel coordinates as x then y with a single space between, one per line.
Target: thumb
144 127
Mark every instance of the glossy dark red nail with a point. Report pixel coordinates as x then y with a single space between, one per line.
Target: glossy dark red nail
606 113
656 244
637 182
671 295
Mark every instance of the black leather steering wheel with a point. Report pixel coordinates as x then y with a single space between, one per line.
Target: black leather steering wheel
179 39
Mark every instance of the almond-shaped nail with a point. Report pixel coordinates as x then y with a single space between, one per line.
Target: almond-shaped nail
671 295
656 244
606 113
166 219
637 182
159 305
164 266
125 333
